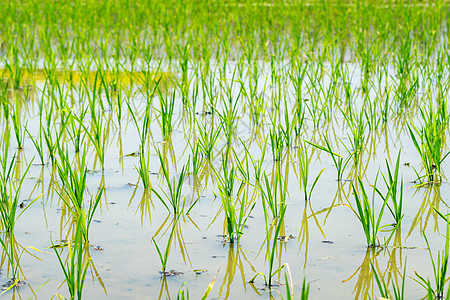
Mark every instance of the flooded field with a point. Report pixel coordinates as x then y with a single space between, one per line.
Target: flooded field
238 150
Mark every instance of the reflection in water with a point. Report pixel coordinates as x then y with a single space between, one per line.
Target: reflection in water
144 206
395 258
235 261
164 289
167 148
174 223
11 252
365 280
431 199
303 235
365 283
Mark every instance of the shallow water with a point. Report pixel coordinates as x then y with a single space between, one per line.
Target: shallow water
328 246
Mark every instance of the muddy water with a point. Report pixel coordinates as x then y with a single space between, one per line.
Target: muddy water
327 247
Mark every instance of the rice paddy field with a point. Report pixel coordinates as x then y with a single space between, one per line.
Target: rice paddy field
224 149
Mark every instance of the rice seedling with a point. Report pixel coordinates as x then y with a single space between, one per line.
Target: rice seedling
339 162
271 250
163 257
11 251
276 142
143 168
208 139
257 165
144 129
38 144
439 268
172 200
17 125
14 68
10 195
274 196
196 159
98 138
304 163
229 117
305 291
73 179
395 192
166 107
76 265
429 145
357 127
399 291
183 292
235 206
76 130
369 218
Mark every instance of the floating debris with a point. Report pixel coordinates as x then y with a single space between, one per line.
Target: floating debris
170 273
13 283
285 238
97 248
328 242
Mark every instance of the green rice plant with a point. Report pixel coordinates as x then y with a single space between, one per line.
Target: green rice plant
242 165
172 200
10 195
14 68
183 292
17 124
166 107
144 168
118 108
395 192
297 77
76 265
4 99
38 144
104 84
9 214
357 127
229 117
304 163
11 251
399 291
288 129
289 284
208 139
305 291
255 101
304 295
235 217
439 268
429 145
75 129
257 165
144 129
271 250
163 257
51 143
370 220
73 179
276 142
98 137
184 54
195 158
274 196
339 162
